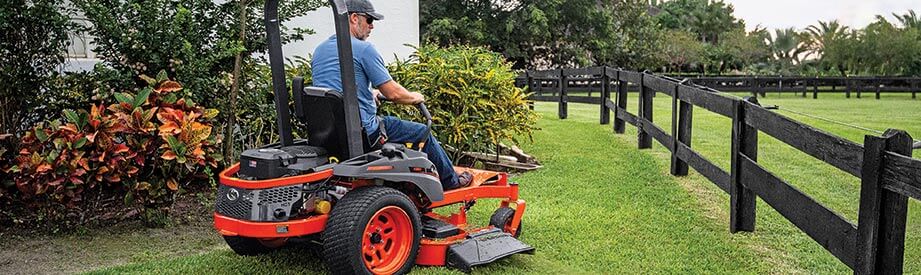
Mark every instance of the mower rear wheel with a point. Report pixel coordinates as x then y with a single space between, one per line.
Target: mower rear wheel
372 230
502 219
254 246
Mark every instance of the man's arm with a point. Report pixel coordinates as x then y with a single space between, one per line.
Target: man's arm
395 92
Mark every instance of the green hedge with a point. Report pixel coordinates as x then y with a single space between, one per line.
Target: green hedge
472 96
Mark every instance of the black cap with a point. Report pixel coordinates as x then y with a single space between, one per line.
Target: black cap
363 6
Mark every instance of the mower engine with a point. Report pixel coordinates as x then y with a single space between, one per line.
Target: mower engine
279 203
274 162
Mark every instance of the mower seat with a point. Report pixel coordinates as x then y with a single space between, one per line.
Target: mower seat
323 111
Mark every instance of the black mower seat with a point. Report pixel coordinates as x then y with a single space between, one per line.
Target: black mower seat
323 111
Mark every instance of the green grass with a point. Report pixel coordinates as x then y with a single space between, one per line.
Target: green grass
601 206
833 188
598 206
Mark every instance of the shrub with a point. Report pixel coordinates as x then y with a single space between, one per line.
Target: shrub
144 147
256 114
195 41
471 94
33 40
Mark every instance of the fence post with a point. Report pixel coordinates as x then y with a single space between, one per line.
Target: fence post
605 96
914 88
744 142
878 83
563 111
530 79
859 88
847 87
882 213
682 117
644 140
756 85
803 89
815 88
619 123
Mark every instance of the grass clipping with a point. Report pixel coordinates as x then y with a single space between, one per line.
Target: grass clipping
471 94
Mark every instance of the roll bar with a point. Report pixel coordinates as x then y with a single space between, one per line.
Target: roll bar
347 70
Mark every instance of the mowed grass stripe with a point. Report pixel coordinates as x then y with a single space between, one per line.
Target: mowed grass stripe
598 206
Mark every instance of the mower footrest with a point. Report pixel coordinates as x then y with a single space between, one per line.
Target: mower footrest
484 247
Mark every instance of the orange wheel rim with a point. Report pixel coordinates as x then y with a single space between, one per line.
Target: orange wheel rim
387 240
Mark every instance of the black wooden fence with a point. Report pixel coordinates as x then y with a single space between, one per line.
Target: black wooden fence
888 173
761 85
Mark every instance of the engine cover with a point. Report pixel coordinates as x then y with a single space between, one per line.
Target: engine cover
274 162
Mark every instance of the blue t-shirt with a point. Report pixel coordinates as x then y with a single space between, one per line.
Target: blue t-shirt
369 70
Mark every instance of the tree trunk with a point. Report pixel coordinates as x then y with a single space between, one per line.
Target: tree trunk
235 90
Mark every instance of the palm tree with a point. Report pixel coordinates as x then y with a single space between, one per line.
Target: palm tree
787 45
909 20
823 34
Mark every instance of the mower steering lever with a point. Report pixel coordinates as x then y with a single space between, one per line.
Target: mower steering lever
428 119
425 114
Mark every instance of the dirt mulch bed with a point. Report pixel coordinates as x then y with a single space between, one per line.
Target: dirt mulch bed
188 232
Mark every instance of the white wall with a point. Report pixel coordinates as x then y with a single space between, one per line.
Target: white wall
400 26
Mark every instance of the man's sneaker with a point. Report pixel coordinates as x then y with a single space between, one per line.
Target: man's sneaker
464 179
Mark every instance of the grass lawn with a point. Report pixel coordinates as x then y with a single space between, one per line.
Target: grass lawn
831 187
602 206
598 206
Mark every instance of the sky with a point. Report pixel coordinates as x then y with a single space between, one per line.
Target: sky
775 14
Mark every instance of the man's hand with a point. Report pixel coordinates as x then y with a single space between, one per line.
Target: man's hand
375 94
397 94
417 98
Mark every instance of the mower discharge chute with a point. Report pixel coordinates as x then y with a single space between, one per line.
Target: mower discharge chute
372 213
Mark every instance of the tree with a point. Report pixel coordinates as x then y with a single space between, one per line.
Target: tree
909 20
708 19
34 35
202 43
726 45
787 46
680 49
841 54
820 35
547 33
888 50
743 49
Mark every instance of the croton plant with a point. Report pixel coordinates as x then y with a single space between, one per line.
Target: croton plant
150 143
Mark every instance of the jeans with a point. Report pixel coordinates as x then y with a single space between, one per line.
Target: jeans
401 131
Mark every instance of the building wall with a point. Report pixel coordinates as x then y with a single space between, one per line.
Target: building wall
400 26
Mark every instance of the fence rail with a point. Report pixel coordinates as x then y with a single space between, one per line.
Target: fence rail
889 176
757 85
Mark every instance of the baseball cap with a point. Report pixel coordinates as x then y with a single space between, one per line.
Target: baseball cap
363 6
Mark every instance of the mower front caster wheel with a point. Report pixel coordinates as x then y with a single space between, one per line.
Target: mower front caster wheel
254 246
502 219
372 230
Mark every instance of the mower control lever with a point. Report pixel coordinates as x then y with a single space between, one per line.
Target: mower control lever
422 109
428 119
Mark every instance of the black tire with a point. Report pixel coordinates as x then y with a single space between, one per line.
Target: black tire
345 229
502 217
252 246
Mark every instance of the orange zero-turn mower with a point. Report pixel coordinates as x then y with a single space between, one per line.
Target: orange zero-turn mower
372 213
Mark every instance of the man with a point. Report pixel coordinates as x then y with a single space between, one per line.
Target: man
370 70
